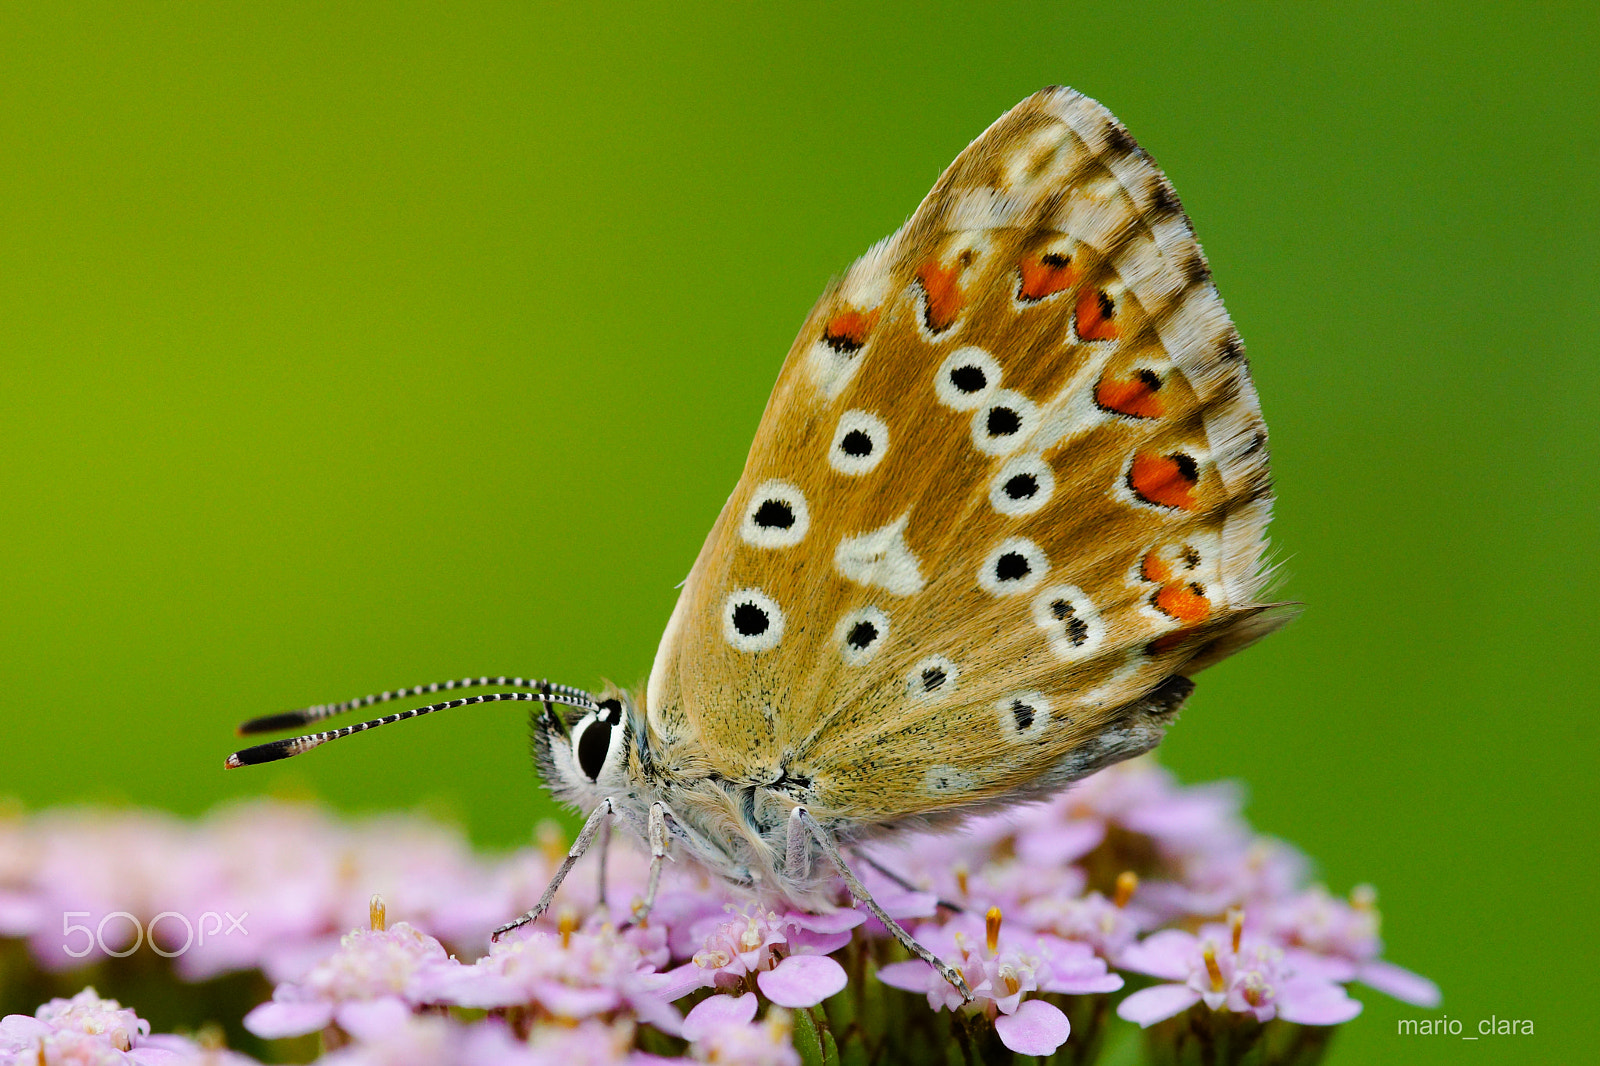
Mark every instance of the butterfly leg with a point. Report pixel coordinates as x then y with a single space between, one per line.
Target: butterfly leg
605 849
797 856
859 891
601 816
906 883
658 856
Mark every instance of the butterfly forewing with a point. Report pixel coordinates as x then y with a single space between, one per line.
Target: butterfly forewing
1011 479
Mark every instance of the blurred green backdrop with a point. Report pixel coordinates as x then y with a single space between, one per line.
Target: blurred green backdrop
349 346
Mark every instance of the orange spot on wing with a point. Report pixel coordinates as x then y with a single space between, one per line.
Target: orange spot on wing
1135 396
1186 602
1096 316
1166 480
1154 568
944 298
847 331
1045 275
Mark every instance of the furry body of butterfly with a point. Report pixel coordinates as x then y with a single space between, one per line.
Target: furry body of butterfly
1009 492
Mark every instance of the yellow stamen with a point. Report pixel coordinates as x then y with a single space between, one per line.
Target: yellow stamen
551 841
1364 898
1127 883
377 914
1208 951
1236 923
961 877
640 919
780 1027
568 924
991 925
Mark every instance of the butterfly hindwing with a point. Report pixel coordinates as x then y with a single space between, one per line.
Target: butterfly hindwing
1011 480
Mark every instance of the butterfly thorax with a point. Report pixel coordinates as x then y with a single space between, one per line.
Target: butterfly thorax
731 818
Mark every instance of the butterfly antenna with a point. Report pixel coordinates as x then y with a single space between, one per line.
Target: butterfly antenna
282 749
299 719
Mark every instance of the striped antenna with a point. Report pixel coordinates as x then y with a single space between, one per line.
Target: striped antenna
282 749
299 719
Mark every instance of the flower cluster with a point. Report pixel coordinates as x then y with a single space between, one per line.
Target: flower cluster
1127 897
89 1031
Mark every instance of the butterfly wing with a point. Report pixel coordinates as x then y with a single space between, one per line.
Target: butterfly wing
1012 479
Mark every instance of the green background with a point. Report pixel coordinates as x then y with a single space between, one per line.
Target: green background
348 346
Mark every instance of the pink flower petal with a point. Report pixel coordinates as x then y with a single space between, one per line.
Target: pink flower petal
911 975
802 980
659 1013
1323 967
19 1032
372 1019
1164 954
818 943
838 922
1036 1028
275 1020
718 1012
1151 1005
679 981
567 1001
902 905
1400 983
1315 1003
1087 984
1061 843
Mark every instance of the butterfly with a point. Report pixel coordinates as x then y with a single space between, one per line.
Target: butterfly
1009 493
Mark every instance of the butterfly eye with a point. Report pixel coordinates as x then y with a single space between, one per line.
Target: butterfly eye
1022 486
932 677
594 738
1004 423
1070 621
966 378
861 633
776 516
859 442
752 620
1024 716
1017 565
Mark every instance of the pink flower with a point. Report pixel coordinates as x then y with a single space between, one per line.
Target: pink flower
1106 925
434 1041
570 974
371 980
1245 873
1138 796
723 1030
1228 971
1340 940
1002 975
788 954
87 1013
89 1031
